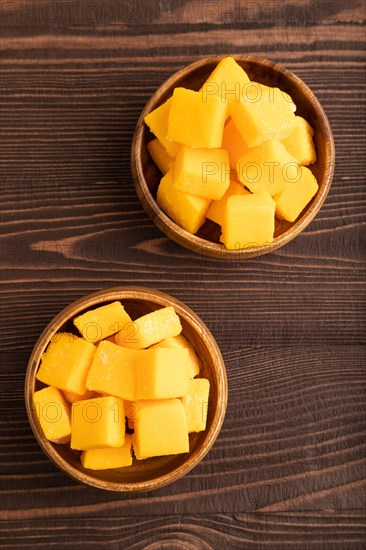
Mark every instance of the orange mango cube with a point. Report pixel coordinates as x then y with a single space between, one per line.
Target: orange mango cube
105 458
180 341
113 371
248 221
228 80
296 195
187 211
98 422
234 143
217 208
159 155
160 429
53 413
196 121
162 373
97 324
202 172
196 404
157 121
300 142
66 363
150 329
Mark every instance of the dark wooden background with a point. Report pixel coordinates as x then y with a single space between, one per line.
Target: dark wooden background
288 469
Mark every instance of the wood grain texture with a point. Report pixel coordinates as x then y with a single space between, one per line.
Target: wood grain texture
288 468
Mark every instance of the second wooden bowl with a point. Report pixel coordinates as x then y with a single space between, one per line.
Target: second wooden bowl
151 473
147 176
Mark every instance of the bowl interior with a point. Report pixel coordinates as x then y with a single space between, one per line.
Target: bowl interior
147 176
152 472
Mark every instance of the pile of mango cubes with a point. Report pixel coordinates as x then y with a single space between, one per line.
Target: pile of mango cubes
142 370
233 152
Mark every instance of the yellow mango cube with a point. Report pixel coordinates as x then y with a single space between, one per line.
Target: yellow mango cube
162 373
217 208
53 413
72 397
157 121
113 371
195 120
97 324
266 115
106 458
98 422
66 363
296 195
150 329
248 221
160 429
268 167
187 211
202 172
228 80
196 404
159 155
180 341
300 142
234 143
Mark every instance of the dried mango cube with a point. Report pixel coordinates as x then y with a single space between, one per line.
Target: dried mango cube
228 80
296 195
97 324
195 120
157 121
150 329
196 404
160 429
300 142
188 211
98 422
105 458
66 363
72 397
268 114
217 208
202 172
113 371
162 373
248 221
159 155
180 341
234 143
53 413
268 167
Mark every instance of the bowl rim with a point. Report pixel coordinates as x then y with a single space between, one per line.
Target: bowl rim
98 298
198 244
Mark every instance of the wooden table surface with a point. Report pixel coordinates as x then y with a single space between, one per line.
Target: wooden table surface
288 469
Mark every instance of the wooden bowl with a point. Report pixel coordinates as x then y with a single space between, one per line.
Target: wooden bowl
147 176
148 474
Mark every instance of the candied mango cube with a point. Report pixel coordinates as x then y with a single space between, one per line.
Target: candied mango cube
66 363
180 341
105 458
160 429
53 413
159 155
300 142
196 404
234 143
72 397
202 172
97 324
195 120
98 422
248 221
162 373
188 211
150 329
217 208
268 167
296 195
228 80
157 121
264 115
113 371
